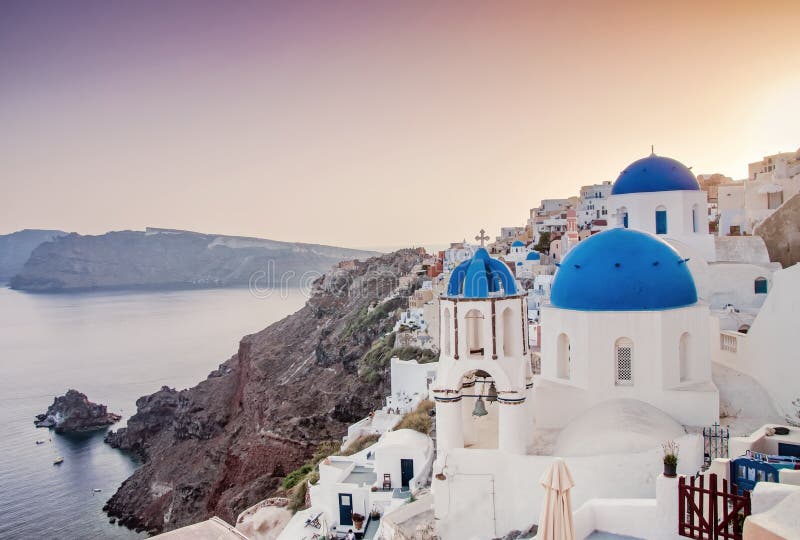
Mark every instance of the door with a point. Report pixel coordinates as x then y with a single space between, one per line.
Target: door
345 509
406 472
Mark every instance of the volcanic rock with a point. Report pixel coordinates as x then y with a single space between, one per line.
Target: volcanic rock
73 412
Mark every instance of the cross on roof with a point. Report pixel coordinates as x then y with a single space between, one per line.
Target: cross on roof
482 237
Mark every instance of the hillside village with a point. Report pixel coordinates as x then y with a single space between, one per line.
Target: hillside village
636 338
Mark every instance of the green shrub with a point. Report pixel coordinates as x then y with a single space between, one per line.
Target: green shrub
364 441
297 501
294 477
418 419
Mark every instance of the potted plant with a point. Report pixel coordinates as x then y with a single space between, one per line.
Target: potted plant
670 458
374 514
358 520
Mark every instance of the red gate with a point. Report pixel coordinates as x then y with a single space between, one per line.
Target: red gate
709 513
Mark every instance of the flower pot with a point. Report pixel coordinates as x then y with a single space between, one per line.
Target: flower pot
670 470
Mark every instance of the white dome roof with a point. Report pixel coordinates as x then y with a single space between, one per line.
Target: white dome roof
620 426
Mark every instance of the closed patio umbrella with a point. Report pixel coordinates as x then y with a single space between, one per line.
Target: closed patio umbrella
555 519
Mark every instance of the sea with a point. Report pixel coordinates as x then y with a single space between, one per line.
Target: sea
114 347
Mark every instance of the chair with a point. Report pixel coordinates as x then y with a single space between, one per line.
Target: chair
387 481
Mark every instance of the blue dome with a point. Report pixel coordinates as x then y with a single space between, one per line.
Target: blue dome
623 270
533 256
481 276
655 173
517 243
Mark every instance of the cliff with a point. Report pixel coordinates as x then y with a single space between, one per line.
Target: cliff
15 248
781 233
166 258
73 412
225 444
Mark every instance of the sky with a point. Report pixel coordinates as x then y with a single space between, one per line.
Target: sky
369 124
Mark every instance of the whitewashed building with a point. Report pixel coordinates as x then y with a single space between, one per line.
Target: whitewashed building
624 322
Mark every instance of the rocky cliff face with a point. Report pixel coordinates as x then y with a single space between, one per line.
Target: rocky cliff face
164 258
781 233
73 412
223 445
15 248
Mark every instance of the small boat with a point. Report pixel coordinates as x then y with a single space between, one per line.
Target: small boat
39 442
59 460
97 490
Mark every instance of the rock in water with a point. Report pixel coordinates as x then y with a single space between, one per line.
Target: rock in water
74 412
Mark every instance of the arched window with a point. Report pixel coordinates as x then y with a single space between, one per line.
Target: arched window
446 332
563 359
695 219
661 220
474 320
683 356
623 355
509 332
761 285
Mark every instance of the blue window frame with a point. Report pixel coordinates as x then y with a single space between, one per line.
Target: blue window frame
661 222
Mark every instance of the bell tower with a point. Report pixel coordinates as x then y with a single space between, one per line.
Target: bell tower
484 376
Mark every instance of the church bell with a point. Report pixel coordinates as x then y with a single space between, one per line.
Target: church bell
480 408
491 396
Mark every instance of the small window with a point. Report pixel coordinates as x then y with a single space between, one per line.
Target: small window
661 220
624 362
761 285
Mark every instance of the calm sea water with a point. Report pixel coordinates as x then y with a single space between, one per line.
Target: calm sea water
114 347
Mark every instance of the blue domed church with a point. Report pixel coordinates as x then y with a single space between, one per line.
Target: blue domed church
661 196
624 322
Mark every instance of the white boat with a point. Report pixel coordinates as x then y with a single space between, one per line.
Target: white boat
97 490
59 460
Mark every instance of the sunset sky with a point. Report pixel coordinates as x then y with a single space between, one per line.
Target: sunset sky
372 123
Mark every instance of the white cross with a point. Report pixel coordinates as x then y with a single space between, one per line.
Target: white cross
482 237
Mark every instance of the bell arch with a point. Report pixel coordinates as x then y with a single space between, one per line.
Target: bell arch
510 340
446 331
474 325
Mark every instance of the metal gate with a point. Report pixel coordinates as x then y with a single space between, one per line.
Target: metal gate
715 442
710 513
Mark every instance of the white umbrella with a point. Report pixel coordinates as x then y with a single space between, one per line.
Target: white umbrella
555 520
323 527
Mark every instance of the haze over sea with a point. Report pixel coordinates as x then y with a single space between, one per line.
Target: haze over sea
114 347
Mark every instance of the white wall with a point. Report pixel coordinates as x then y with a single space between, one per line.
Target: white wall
656 363
768 352
409 378
387 461
488 493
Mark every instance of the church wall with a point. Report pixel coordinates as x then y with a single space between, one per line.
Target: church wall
641 208
656 363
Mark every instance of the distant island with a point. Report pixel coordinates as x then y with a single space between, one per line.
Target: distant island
16 248
171 259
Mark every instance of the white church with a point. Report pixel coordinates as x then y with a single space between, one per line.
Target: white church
627 341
